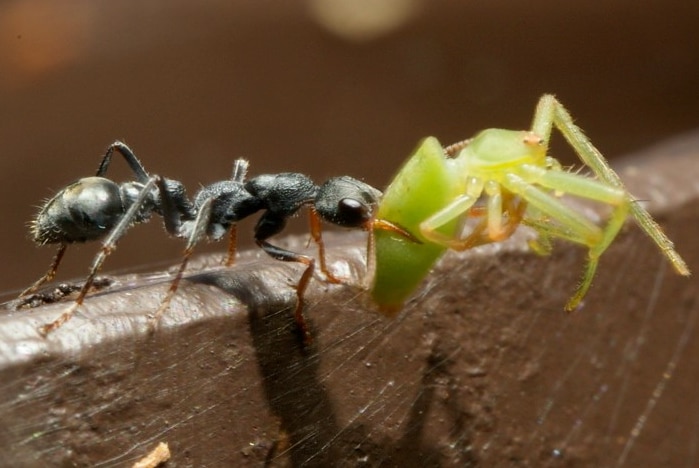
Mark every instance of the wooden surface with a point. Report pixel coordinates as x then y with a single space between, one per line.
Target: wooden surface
483 368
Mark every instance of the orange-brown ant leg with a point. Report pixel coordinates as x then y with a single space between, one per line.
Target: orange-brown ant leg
50 274
316 233
232 246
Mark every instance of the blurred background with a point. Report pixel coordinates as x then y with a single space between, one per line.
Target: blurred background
323 87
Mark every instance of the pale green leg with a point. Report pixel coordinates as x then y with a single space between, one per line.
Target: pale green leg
491 229
455 209
569 224
550 112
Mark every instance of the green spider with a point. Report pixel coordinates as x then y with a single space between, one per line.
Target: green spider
437 190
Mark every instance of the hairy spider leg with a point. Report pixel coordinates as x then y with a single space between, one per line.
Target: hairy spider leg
108 246
568 224
493 228
560 221
549 113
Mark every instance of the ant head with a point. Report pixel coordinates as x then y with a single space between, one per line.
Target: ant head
85 210
347 202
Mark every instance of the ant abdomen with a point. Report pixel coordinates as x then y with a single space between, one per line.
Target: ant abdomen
85 210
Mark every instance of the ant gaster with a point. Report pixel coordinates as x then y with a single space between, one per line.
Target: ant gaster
96 207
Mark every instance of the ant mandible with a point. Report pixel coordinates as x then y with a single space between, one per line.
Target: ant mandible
96 208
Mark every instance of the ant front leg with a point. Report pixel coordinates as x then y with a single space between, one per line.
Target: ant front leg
316 233
269 225
108 246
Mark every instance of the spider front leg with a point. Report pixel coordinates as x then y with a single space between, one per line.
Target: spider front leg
495 227
549 113
108 246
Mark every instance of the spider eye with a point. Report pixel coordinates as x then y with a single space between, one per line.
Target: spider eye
352 212
533 139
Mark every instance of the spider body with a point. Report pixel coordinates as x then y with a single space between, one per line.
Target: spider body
515 182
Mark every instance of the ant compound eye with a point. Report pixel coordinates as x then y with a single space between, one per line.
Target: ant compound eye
352 212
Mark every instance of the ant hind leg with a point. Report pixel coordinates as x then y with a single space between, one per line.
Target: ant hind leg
108 246
49 275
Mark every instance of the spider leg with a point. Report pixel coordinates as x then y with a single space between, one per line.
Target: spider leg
197 233
108 246
50 274
557 220
457 208
129 156
491 229
550 112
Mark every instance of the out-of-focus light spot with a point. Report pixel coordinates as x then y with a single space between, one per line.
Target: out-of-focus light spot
362 20
42 35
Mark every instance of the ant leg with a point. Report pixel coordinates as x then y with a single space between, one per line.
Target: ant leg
175 205
131 159
316 233
232 246
550 112
269 225
198 232
50 274
286 256
108 246
240 172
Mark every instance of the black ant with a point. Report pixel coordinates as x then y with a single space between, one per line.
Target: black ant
96 207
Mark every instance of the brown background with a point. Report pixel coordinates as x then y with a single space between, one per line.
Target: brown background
192 86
